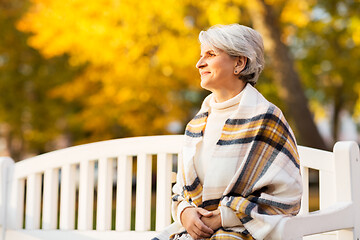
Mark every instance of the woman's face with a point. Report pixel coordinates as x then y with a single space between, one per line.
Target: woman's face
216 69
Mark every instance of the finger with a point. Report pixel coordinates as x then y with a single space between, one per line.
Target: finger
202 227
198 234
204 212
195 233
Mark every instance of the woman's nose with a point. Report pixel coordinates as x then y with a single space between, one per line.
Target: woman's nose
201 63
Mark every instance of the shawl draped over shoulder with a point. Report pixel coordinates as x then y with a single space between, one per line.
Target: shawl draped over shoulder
263 182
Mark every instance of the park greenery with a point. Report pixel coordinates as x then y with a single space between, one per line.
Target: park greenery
77 71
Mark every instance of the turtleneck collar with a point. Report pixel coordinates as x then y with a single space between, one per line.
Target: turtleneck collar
227 104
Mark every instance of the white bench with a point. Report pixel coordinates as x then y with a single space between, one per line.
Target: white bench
56 185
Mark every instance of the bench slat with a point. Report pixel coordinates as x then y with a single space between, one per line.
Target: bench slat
33 200
50 199
143 192
86 195
163 191
104 194
16 209
67 197
305 197
327 196
124 192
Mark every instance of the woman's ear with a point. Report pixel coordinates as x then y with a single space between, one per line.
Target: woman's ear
240 64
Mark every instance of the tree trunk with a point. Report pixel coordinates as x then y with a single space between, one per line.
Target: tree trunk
14 145
338 104
286 78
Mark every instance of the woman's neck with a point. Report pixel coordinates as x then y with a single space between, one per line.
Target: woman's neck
223 95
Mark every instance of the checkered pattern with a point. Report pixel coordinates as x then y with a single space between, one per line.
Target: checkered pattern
266 185
221 233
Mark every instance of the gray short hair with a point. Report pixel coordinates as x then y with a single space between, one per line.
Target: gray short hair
238 40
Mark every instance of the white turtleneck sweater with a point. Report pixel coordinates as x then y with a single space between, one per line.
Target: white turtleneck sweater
219 113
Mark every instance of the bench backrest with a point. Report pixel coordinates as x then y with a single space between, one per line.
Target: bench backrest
63 183
338 176
339 192
51 188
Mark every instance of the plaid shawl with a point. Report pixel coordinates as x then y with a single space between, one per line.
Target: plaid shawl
265 185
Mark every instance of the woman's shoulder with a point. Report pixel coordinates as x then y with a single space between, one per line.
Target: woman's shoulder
260 102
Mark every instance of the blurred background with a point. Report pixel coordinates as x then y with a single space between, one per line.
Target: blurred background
79 71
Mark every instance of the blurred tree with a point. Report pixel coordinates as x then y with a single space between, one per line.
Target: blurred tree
266 18
140 59
328 54
271 18
29 119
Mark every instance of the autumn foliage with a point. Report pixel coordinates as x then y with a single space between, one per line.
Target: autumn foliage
132 63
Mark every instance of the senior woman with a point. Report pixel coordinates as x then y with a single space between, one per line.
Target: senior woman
239 176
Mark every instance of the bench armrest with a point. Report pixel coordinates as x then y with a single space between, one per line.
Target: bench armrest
338 216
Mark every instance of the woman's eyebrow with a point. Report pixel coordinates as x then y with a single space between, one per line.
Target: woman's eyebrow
208 51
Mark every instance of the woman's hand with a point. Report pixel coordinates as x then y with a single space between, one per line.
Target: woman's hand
190 219
213 221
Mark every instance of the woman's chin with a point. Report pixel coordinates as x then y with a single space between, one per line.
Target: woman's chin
207 87
204 84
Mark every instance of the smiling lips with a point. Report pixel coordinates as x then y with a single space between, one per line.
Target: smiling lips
204 73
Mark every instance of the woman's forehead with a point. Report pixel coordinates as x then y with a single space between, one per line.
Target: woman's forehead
207 47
